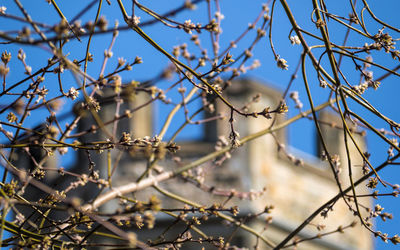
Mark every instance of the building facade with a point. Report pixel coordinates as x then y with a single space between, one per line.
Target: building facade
294 183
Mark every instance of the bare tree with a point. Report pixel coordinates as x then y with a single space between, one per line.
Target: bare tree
63 101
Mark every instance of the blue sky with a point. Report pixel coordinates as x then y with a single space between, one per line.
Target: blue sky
237 16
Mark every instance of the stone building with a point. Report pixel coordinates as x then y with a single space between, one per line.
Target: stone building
295 190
